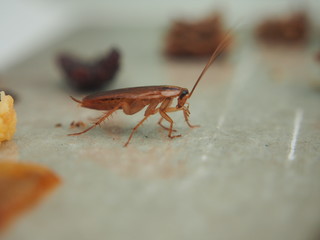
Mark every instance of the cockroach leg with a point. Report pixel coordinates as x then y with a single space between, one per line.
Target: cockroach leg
79 133
104 117
135 129
151 110
159 122
162 110
186 114
166 117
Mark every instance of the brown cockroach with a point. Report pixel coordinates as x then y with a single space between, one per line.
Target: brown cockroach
133 100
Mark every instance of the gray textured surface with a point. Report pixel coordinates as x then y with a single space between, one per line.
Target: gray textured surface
252 171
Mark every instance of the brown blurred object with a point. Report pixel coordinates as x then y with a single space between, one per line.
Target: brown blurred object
21 186
318 56
88 76
292 29
78 124
199 38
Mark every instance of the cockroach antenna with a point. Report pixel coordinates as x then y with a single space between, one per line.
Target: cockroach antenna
223 44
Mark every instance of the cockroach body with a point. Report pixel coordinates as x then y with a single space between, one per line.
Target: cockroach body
158 99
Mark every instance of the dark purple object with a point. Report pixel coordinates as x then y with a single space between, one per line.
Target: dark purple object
85 76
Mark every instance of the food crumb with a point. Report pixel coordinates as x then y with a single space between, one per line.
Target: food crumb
195 38
10 92
88 76
318 56
291 29
22 185
8 118
77 124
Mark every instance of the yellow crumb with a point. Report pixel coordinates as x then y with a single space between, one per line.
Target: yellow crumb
8 118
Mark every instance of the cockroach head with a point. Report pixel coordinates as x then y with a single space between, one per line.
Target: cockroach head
184 95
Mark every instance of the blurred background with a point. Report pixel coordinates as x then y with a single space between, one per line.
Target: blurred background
29 25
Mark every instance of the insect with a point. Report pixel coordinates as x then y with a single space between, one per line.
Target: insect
158 99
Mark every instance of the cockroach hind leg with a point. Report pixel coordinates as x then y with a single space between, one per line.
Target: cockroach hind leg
79 133
101 119
74 134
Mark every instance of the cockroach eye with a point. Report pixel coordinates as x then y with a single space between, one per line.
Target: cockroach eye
183 94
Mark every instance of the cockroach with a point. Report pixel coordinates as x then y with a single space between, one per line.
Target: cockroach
158 99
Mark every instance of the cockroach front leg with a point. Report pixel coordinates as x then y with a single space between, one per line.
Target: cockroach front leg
186 114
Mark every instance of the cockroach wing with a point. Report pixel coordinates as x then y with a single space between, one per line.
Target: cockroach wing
148 92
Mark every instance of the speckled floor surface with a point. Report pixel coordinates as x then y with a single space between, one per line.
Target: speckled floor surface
251 171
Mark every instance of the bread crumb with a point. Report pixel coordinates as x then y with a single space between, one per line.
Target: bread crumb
8 118
78 124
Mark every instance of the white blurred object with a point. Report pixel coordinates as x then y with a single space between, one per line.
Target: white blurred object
26 26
